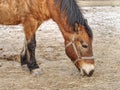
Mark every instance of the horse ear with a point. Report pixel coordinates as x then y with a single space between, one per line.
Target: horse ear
76 27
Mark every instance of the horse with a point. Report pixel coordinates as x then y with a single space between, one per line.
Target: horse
67 14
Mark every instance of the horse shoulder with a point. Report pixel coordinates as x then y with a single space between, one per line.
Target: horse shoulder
39 9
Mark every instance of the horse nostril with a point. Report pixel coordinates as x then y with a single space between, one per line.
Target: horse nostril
87 74
91 73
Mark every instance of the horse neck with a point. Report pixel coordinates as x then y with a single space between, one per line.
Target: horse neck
65 28
60 18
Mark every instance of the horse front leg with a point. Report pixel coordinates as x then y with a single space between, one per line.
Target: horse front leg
28 53
23 56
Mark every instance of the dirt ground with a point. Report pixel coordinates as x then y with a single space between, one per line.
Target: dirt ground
57 71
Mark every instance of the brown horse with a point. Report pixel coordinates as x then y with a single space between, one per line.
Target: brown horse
66 13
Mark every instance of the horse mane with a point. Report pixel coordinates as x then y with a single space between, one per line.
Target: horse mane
73 13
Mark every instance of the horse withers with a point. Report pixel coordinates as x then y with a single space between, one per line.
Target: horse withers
66 13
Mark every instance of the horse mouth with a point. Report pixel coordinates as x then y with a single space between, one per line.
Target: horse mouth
87 74
87 70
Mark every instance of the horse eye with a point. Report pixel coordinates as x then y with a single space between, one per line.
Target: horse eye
84 45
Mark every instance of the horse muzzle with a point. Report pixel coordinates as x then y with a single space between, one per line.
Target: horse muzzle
87 70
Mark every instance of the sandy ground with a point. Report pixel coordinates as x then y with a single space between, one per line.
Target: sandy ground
57 71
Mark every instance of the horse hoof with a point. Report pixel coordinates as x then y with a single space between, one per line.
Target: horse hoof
24 67
0 64
36 72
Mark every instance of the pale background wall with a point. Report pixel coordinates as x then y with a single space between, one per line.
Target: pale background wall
99 2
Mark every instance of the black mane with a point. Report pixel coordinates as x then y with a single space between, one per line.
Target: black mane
73 13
